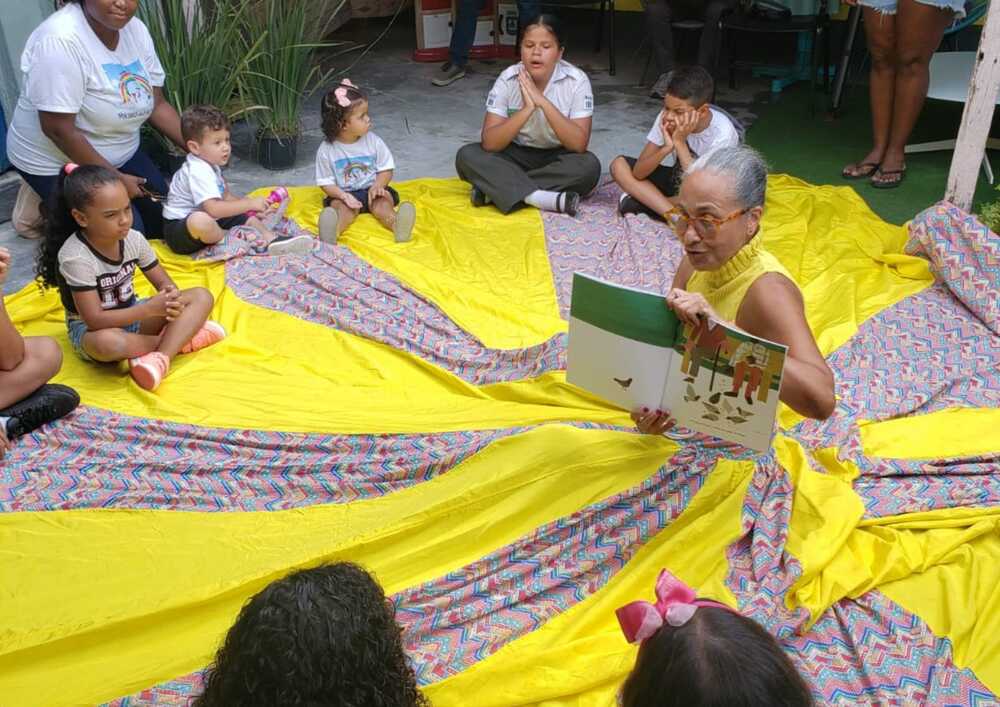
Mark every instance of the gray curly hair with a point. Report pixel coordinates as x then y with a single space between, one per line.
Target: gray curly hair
745 168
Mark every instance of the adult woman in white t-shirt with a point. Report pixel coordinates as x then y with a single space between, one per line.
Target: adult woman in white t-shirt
533 147
91 79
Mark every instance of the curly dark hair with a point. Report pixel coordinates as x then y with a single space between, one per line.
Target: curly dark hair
73 191
717 659
195 120
320 637
335 116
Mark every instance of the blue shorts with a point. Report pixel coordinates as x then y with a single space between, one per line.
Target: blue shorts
77 328
888 7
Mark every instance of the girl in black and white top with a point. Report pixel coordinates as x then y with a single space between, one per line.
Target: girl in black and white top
536 131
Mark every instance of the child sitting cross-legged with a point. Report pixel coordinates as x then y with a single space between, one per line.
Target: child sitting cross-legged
354 167
700 653
200 208
90 252
685 128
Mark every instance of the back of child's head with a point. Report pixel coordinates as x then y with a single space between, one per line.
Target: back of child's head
197 120
338 105
717 658
692 84
74 190
325 636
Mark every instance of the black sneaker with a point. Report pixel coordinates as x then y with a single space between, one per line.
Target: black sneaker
450 73
570 202
48 403
477 197
299 244
630 205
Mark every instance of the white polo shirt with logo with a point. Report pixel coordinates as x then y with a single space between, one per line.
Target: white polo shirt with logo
568 89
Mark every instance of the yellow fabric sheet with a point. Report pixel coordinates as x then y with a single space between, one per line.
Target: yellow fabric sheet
98 604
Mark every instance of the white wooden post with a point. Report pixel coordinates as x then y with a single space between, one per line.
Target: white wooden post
978 114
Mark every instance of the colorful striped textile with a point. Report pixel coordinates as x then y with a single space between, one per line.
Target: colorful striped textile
405 407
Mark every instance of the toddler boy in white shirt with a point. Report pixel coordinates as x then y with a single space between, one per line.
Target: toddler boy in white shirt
200 208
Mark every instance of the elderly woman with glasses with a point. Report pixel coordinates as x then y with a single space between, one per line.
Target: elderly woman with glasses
727 275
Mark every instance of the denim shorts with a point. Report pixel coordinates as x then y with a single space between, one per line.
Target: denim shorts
888 7
77 328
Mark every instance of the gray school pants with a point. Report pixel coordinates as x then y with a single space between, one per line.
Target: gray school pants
508 176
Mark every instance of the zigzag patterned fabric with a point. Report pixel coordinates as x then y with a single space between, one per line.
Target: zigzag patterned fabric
405 407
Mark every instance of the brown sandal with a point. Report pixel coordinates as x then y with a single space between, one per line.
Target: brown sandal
864 174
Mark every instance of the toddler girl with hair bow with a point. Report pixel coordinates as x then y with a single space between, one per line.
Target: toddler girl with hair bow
700 653
354 168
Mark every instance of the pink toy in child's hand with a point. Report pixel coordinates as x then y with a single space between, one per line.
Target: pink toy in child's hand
275 197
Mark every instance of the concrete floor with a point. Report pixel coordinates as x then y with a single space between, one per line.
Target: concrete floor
425 125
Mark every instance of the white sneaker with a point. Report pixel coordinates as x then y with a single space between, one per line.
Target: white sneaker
406 217
329 221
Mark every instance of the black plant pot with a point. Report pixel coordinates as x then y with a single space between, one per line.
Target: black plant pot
277 152
173 161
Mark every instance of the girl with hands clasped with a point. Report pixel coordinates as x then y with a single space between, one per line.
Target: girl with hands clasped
90 252
727 275
533 145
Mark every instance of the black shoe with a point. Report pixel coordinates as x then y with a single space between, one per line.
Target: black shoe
477 197
570 203
630 205
731 393
48 403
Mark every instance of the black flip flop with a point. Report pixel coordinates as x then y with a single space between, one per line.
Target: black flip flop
861 175
888 172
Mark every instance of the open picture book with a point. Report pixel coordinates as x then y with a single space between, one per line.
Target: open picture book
627 346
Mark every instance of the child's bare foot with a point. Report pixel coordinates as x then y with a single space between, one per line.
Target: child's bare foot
406 217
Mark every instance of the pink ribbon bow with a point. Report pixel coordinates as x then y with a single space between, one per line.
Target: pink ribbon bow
675 605
341 93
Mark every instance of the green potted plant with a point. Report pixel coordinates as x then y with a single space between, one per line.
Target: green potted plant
281 74
205 56
989 214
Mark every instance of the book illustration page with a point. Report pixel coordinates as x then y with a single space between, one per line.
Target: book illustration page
725 383
620 342
629 373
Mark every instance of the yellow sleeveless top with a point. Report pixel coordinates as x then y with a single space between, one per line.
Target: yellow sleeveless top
726 287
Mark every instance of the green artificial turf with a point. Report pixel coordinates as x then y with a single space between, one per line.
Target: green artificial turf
816 148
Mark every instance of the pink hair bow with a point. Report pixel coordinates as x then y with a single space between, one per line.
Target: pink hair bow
675 605
341 93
